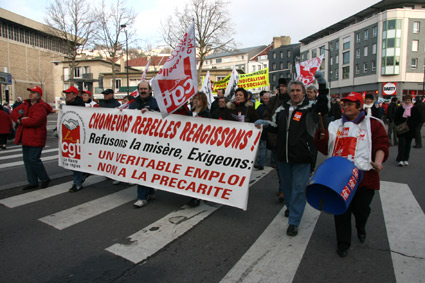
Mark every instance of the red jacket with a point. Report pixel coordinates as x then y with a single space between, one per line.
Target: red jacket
32 131
5 123
379 141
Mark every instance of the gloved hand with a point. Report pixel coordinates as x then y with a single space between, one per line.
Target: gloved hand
265 123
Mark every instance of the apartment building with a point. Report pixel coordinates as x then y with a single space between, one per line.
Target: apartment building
379 50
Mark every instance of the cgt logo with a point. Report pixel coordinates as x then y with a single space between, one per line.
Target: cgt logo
70 144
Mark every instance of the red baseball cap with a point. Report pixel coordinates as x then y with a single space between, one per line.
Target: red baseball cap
71 89
88 92
354 96
36 89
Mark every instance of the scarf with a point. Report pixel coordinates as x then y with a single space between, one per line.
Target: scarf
355 121
368 108
407 109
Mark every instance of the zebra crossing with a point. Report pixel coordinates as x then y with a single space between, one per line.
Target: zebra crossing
264 260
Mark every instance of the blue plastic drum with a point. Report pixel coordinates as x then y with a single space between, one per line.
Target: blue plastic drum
333 186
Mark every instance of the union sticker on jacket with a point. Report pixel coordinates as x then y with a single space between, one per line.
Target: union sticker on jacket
297 116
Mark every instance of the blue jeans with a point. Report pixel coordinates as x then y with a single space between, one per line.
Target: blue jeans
143 192
33 165
262 153
293 180
77 177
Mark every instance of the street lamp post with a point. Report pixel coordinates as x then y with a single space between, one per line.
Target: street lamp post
126 49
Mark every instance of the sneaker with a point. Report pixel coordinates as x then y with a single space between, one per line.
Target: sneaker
75 188
406 163
116 182
400 163
140 202
292 230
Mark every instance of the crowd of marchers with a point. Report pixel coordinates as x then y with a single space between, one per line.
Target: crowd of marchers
297 122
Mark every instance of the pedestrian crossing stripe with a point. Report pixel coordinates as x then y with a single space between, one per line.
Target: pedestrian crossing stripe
20 163
19 155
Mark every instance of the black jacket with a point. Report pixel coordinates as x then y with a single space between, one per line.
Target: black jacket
78 101
110 103
149 103
412 121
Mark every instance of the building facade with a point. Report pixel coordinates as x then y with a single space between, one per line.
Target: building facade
379 50
27 51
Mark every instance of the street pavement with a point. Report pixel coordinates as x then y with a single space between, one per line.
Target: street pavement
95 235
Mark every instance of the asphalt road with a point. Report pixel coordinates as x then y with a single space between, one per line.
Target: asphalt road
211 243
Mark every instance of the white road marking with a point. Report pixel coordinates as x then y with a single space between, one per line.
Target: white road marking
41 194
275 257
19 163
405 223
154 237
20 154
80 213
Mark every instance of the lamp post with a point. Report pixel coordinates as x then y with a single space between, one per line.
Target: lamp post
126 49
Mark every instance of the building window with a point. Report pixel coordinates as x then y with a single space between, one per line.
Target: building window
373 66
365 68
415 45
374 31
346 57
253 68
416 27
219 60
77 72
357 37
345 72
374 48
332 61
358 53
314 53
337 59
337 74
322 50
274 66
281 65
274 77
281 54
357 69
288 53
365 51
414 64
346 43
337 45
274 55
242 57
366 34
117 83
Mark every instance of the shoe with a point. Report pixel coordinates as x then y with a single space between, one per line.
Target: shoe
342 252
400 163
361 236
140 202
287 213
417 146
85 176
292 230
281 197
75 188
116 182
45 184
406 163
152 197
29 187
194 202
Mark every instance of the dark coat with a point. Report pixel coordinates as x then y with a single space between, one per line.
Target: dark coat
149 103
246 109
412 121
110 103
5 123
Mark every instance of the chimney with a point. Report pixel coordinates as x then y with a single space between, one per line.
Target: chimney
282 40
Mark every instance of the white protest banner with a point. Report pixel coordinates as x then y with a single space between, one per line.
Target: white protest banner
197 157
146 70
176 82
207 89
233 84
307 69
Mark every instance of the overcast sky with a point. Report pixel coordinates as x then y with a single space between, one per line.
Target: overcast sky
256 22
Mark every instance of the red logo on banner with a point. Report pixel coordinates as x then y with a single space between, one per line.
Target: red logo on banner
177 92
71 139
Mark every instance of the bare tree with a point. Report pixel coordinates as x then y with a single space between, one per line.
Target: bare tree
112 22
212 23
73 21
